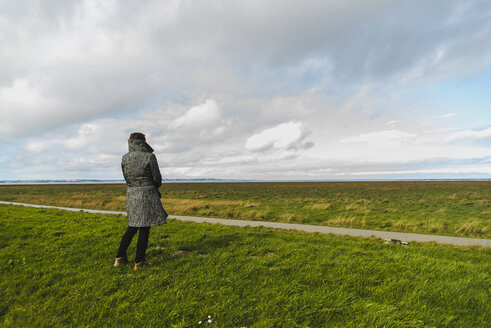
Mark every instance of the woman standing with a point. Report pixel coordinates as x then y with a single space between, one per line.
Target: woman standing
142 175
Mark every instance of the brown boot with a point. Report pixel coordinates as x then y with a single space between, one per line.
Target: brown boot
141 264
120 261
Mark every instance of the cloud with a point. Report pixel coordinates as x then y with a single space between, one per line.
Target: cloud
286 135
452 170
25 106
87 134
74 61
200 116
226 88
447 115
471 134
380 137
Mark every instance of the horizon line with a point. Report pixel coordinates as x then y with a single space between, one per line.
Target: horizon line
218 180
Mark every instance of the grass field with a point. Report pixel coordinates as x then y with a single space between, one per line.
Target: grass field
456 208
56 271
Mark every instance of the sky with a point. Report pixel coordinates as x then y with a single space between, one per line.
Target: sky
247 89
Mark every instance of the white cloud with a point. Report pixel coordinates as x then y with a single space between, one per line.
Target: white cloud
87 134
200 116
447 115
451 170
36 146
22 105
285 135
380 137
471 134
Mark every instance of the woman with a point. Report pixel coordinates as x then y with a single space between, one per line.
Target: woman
142 175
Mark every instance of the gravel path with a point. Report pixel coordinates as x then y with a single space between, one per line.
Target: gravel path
402 236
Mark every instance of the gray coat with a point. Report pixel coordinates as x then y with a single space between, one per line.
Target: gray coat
142 175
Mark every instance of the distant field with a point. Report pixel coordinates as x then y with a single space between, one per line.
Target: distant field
56 271
457 208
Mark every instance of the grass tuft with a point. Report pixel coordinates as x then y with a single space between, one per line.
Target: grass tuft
320 206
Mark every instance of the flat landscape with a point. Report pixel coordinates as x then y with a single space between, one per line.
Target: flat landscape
454 208
56 271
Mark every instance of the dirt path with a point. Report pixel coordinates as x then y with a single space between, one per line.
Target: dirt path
402 236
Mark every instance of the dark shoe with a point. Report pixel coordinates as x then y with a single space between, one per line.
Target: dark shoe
141 264
120 261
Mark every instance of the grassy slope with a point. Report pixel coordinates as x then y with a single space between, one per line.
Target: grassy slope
449 208
55 271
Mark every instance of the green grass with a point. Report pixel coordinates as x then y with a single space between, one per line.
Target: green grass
56 271
455 208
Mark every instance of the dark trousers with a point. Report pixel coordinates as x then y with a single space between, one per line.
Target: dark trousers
141 246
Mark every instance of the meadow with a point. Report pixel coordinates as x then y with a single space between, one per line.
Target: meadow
56 271
455 208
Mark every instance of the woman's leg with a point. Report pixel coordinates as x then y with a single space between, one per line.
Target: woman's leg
126 241
141 246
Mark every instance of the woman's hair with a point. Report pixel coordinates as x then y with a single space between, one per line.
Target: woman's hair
137 135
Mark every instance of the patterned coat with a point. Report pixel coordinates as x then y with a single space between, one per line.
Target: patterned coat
142 175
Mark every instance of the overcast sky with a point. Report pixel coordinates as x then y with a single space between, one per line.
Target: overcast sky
249 89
